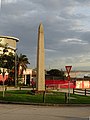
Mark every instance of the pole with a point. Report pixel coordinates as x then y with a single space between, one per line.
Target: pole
3 72
68 88
68 69
3 83
15 68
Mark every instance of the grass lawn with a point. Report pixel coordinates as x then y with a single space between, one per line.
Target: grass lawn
52 97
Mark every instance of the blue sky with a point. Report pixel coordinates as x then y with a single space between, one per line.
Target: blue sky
66 28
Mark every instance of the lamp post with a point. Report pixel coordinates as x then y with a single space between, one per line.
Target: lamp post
3 72
15 67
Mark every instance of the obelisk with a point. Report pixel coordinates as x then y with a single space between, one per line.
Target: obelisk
40 60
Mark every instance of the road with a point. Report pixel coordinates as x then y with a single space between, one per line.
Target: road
30 112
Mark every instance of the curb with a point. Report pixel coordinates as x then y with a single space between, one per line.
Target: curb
45 104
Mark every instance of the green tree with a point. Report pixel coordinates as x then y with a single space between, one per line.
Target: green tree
7 61
22 61
56 73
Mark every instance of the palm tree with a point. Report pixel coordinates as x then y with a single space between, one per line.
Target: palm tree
22 62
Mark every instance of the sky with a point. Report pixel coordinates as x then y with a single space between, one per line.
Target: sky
66 30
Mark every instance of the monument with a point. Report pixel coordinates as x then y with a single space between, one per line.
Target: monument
40 60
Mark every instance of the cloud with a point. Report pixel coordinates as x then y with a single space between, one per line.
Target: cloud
66 27
77 62
74 41
9 1
50 50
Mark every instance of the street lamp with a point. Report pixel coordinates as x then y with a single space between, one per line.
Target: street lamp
3 72
15 67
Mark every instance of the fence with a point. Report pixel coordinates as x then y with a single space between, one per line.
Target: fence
57 84
81 91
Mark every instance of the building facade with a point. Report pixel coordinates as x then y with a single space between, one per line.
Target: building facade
27 79
11 43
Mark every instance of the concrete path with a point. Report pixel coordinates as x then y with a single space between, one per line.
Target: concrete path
29 112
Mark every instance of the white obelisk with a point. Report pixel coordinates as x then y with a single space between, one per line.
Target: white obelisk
40 60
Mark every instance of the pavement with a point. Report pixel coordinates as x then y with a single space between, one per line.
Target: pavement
30 112
23 88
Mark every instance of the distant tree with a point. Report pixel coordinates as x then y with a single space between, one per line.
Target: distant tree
56 73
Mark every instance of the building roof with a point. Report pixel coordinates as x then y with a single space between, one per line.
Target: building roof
10 37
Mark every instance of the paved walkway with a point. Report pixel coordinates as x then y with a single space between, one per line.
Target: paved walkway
29 112
13 88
